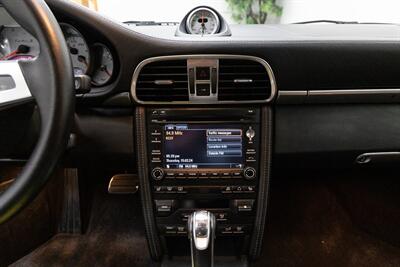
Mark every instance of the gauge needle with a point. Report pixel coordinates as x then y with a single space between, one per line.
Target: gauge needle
104 68
22 49
82 59
202 24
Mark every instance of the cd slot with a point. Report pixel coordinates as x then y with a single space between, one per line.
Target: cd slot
209 115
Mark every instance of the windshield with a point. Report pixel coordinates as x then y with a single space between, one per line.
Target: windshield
252 11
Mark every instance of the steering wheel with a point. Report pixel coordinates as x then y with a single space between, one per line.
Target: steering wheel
49 80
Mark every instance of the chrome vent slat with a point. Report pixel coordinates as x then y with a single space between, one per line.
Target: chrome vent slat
163 81
243 80
162 74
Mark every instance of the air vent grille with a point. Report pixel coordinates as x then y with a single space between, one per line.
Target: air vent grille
243 80
163 81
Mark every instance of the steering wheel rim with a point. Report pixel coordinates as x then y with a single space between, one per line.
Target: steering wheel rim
50 81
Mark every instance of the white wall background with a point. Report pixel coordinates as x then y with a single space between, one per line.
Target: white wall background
293 10
347 10
158 10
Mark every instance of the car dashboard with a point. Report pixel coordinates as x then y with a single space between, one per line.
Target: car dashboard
205 115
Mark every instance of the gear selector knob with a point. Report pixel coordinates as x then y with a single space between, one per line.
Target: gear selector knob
201 230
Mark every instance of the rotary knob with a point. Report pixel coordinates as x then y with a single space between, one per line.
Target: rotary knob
250 133
249 173
157 173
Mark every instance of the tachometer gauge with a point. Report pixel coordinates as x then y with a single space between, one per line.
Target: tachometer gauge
104 65
78 48
16 44
203 21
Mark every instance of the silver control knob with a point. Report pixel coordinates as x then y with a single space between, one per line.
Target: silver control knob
157 173
250 133
249 173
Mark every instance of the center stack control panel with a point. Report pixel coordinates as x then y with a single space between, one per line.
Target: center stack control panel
204 158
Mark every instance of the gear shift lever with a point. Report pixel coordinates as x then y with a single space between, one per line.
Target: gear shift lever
201 229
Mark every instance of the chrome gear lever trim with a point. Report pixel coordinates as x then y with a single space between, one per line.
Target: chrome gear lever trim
201 230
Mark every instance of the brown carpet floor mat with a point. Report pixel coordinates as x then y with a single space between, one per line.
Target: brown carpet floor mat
115 237
308 226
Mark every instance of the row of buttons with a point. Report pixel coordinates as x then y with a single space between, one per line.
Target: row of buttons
203 175
219 216
174 229
221 229
170 189
232 229
238 189
210 189
250 155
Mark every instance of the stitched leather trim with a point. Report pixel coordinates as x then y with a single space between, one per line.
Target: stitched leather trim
263 189
145 189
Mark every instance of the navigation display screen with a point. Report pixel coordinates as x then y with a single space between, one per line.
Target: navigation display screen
195 146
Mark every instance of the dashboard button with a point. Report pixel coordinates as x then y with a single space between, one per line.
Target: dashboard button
164 207
192 175
170 189
158 189
180 189
181 175
203 73
170 229
227 189
214 175
244 205
155 160
237 175
226 229
203 89
181 229
226 175
155 140
203 175
250 189
170 175
221 216
238 229
185 216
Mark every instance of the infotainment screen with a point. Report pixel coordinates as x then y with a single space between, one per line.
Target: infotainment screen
195 146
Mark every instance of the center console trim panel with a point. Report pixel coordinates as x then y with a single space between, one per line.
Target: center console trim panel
157 247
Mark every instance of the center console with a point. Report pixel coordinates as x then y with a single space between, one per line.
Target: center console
213 159
203 133
204 159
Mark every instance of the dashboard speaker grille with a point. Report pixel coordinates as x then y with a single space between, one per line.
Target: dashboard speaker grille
243 80
163 81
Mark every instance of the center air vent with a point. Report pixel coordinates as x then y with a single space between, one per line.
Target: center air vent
243 80
203 79
163 81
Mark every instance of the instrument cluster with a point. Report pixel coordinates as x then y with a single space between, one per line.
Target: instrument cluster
94 59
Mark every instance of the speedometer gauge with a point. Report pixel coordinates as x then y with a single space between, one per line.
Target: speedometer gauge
203 21
104 65
78 49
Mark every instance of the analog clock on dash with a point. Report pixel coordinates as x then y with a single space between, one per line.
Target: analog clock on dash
203 21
